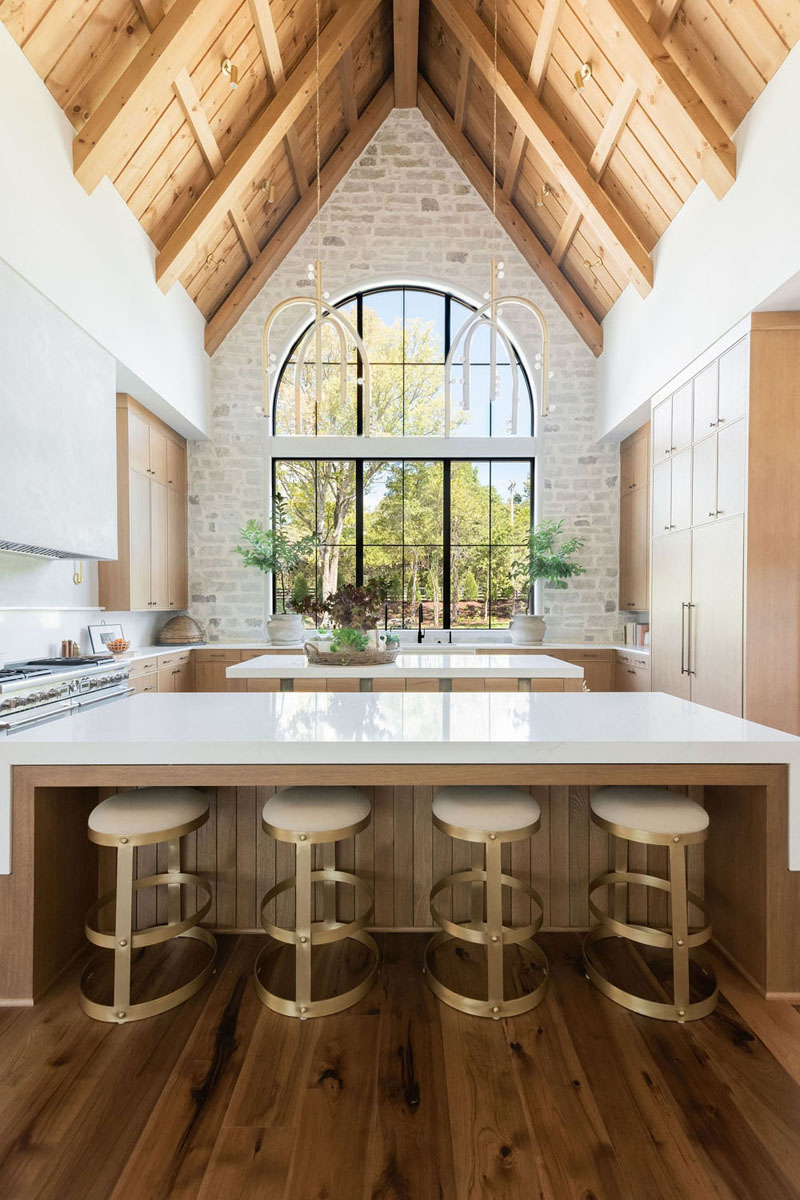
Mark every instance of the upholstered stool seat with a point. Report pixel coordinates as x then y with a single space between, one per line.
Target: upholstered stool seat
141 818
309 816
655 817
487 817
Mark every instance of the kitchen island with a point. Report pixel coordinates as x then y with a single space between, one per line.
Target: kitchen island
400 747
420 672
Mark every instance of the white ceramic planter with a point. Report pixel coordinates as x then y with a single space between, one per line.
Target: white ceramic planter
527 629
286 629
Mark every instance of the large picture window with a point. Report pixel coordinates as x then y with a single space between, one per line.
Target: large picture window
444 532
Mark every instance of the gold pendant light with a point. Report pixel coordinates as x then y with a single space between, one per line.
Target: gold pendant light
488 317
325 316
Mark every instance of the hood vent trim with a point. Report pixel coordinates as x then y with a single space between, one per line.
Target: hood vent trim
36 551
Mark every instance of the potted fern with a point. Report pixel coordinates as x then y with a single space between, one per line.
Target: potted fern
547 558
276 553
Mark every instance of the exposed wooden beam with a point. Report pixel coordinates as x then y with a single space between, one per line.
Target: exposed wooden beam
264 134
637 50
462 89
405 20
523 237
300 217
276 77
151 12
204 136
114 129
552 145
663 16
609 136
347 81
542 53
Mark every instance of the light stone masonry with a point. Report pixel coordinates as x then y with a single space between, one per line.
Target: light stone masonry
404 212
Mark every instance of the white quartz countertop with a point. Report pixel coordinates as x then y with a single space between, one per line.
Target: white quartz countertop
400 727
412 666
429 646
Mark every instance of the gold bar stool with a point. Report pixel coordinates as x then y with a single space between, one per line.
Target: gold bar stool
487 817
125 821
654 817
311 816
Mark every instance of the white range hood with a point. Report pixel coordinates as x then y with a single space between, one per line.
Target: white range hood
58 489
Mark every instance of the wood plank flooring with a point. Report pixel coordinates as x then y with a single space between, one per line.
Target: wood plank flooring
401 1098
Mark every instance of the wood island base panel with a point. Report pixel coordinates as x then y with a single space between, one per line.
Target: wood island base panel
754 899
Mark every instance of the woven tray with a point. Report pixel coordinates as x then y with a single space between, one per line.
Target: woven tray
350 658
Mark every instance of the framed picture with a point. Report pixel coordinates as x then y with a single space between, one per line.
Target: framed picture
101 635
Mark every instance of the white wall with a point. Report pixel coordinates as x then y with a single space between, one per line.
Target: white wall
717 261
90 256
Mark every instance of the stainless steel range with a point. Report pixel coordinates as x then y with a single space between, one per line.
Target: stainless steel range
46 688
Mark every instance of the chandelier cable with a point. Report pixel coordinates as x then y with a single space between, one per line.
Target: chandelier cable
316 78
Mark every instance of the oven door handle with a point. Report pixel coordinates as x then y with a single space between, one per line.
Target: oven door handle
100 698
37 717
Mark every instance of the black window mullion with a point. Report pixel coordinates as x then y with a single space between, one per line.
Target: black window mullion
446 549
359 468
359 368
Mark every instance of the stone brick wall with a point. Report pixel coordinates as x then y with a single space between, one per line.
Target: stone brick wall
404 211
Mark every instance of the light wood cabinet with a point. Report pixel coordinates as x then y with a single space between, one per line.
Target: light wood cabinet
672 424
671 591
706 401
151 571
672 494
634 521
715 619
718 474
209 671
632 672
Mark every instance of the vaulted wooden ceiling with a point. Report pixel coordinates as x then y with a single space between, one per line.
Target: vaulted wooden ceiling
223 178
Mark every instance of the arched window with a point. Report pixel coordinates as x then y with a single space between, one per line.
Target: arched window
442 514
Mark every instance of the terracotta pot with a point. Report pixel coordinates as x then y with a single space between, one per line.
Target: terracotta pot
527 629
286 629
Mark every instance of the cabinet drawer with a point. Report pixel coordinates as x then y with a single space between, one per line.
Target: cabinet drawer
583 656
176 659
212 656
143 666
144 683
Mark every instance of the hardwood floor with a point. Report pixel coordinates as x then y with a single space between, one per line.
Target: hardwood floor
401 1098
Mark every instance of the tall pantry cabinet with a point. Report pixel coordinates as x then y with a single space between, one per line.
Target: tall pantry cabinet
725 606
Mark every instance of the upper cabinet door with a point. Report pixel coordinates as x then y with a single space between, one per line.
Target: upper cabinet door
158 455
139 523
662 486
138 444
176 467
704 481
681 506
682 417
661 428
627 468
706 393
734 382
731 470
159 565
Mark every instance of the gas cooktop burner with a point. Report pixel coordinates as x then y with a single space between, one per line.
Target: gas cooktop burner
85 661
9 674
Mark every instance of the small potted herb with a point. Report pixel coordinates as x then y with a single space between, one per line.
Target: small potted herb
275 552
545 559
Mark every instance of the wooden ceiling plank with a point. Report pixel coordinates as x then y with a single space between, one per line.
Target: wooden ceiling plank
271 53
115 128
523 237
609 136
555 149
267 131
542 53
405 25
300 217
347 81
151 12
636 49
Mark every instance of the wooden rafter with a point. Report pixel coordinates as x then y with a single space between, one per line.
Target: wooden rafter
523 237
276 77
462 89
542 53
114 130
552 145
151 12
637 50
347 82
609 136
405 20
188 242
300 217
663 16
204 136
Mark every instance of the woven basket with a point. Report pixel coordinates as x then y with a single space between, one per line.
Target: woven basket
180 631
350 658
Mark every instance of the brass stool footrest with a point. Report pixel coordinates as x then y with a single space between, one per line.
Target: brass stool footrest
151 1008
152 934
512 936
645 935
321 932
662 1011
333 1004
493 1007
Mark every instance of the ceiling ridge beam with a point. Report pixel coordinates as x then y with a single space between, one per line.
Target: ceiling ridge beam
299 218
264 25
636 49
533 251
552 145
405 32
204 136
540 61
261 138
609 136
116 122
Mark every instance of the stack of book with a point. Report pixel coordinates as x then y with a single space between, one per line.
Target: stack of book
635 635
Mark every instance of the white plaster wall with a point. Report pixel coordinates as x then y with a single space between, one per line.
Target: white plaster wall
90 256
717 261
404 211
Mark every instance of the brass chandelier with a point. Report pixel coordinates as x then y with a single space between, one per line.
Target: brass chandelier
488 317
326 316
